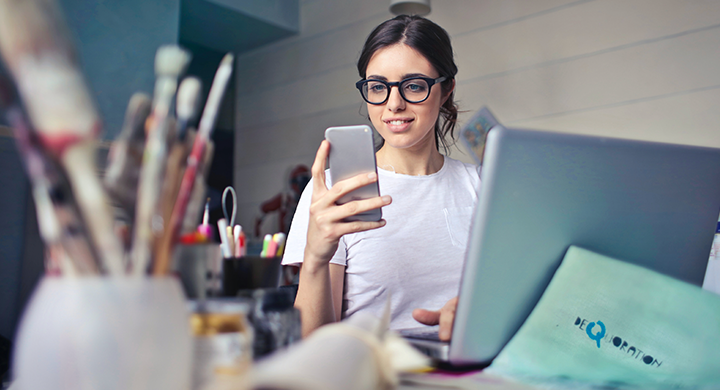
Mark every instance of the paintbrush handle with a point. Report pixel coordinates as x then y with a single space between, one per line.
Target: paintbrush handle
197 154
173 177
162 263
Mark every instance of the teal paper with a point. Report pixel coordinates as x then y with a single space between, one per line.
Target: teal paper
605 321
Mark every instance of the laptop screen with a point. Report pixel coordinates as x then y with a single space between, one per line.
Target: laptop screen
655 205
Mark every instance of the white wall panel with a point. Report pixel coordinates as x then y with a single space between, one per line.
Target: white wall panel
302 97
308 58
684 118
322 16
580 30
643 69
294 137
659 68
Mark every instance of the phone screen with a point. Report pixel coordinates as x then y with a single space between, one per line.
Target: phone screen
352 152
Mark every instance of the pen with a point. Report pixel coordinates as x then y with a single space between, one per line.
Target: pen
204 228
224 245
231 239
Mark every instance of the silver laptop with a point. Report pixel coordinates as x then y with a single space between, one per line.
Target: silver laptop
655 205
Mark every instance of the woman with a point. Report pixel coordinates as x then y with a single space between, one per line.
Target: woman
416 253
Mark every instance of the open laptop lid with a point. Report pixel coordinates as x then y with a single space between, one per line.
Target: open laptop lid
655 205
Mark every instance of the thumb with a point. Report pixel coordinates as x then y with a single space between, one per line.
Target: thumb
427 317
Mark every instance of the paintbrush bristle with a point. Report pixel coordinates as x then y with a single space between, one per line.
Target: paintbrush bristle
187 98
171 60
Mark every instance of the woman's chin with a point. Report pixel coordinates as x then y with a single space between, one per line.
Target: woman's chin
396 142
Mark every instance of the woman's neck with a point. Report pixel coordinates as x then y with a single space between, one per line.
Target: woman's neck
409 162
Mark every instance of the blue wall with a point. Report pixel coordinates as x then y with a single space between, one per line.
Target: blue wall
117 41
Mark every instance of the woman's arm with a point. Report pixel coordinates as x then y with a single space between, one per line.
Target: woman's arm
319 297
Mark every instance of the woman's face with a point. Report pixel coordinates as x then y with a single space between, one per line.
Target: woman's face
404 125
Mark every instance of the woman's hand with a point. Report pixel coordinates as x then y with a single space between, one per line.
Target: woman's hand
444 317
326 224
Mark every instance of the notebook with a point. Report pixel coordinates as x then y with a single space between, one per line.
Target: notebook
652 204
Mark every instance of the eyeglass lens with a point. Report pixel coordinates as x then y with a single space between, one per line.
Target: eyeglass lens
412 90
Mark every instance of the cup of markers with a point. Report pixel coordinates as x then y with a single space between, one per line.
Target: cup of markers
233 242
273 245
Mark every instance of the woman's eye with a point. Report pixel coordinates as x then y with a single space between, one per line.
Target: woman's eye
415 87
376 87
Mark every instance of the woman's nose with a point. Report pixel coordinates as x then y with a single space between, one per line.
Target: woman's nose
395 101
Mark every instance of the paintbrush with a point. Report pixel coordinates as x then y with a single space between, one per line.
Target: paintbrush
205 128
194 205
197 198
186 108
170 62
36 47
125 156
186 105
59 224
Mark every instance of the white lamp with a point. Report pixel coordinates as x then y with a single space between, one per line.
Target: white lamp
410 7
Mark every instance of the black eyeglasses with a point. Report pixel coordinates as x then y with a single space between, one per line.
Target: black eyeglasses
413 90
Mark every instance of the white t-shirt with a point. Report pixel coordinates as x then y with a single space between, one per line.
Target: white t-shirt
417 256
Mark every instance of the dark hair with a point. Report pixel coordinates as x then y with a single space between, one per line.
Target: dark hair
430 40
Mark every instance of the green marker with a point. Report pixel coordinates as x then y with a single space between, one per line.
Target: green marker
266 243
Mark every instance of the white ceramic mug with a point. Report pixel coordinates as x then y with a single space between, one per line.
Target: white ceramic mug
104 333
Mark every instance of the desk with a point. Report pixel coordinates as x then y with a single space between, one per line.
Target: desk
462 381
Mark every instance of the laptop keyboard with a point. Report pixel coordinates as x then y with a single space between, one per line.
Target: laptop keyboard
424 333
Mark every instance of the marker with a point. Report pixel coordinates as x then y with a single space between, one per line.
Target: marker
231 240
243 243
224 245
237 232
266 242
272 247
281 238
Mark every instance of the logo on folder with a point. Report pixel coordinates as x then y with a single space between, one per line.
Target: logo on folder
597 332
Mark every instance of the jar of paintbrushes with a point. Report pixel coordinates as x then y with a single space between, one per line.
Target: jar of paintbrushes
108 314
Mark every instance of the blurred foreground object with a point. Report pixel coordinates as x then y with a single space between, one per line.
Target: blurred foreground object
222 340
355 354
104 333
35 45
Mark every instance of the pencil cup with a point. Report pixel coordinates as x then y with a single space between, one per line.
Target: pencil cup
250 272
104 333
199 267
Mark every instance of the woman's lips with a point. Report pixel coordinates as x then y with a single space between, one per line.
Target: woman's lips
398 125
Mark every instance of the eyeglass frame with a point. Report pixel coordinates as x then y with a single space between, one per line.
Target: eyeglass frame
389 85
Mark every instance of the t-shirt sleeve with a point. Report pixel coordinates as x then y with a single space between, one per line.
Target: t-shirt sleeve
297 237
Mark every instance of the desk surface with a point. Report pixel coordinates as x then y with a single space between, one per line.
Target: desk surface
466 381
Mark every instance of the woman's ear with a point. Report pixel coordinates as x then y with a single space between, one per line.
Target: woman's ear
447 95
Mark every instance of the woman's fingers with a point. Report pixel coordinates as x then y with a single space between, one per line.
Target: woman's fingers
355 207
359 226
318 169
426 317
447 318
344 187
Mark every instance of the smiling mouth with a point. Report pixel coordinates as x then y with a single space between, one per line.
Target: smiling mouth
398 122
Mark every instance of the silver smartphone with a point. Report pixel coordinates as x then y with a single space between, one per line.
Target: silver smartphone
352 152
